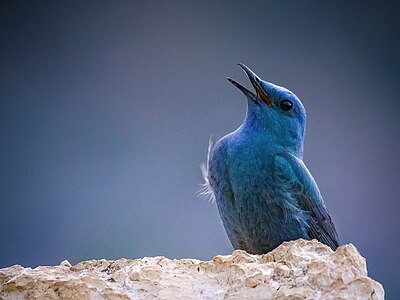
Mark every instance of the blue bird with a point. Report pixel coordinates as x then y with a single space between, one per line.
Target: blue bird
264 192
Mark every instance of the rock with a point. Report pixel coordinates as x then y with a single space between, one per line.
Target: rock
296 270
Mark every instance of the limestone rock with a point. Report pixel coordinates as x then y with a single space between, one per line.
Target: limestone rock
295 270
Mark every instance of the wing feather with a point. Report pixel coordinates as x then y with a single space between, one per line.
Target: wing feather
299 181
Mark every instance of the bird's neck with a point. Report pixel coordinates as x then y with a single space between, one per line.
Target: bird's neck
258 129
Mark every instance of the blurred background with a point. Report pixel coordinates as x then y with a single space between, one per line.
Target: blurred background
107 107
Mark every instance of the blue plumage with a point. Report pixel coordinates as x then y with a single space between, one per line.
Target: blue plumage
264 192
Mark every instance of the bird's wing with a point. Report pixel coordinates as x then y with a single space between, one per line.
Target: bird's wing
295 178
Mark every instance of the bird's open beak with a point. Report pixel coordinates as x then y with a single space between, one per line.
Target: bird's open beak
245 91
255 81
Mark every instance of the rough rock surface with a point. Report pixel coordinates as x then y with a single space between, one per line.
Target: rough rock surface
295 270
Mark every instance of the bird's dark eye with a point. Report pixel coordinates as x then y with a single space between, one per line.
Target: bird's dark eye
257 80
286 105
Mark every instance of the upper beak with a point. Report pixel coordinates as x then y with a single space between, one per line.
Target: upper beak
255 81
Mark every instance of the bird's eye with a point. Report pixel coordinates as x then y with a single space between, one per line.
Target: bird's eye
286 105
257 80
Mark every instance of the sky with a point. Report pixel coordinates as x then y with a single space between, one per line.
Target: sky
106 109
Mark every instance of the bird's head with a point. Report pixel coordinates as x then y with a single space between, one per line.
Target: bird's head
274 112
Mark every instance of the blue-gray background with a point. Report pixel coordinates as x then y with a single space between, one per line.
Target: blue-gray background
107 108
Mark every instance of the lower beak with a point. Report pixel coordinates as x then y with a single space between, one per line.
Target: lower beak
245 91
255 81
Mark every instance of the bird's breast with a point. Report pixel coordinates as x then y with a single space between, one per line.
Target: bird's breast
250 168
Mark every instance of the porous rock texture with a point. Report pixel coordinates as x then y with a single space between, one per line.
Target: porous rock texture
295 270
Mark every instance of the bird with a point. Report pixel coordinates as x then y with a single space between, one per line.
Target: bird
263 190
